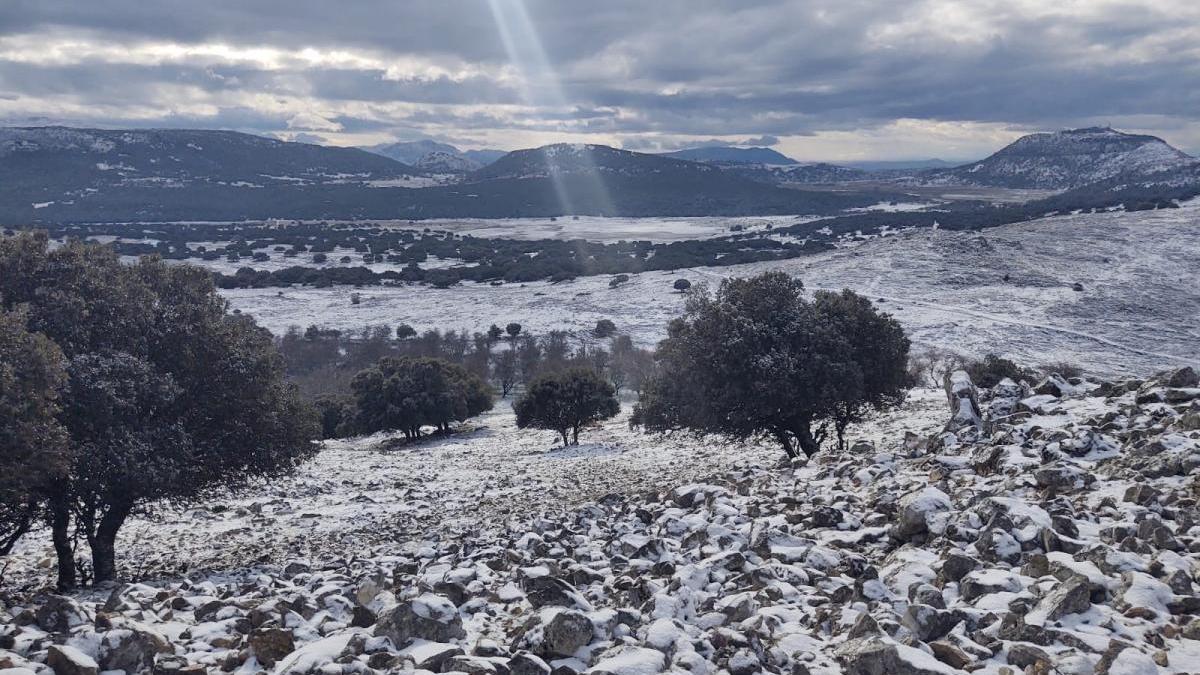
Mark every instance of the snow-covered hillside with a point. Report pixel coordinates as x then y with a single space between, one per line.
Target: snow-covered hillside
1050 529
1138 308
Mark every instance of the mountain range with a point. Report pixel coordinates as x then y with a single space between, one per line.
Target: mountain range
65 174
732 155
55 174
437 157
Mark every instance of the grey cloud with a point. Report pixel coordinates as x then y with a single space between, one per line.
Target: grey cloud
654 74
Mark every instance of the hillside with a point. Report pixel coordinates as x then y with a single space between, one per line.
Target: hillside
973 530
63 159
1068 159
440 157
60 175
732 155
597 179
411 152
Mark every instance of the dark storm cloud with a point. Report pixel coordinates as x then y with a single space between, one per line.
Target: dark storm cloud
658 74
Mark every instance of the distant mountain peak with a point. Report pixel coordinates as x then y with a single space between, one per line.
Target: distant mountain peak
1070 158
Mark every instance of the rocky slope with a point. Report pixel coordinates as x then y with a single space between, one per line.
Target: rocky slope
1046 529
1068 159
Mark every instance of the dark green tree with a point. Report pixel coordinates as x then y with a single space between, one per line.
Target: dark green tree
405 394
566 401
681 285
758 359
33 444
604 328
876 351
169 395
513 329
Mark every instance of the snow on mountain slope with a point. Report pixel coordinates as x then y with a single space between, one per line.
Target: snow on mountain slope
445 162
59 160
411 152
1068 159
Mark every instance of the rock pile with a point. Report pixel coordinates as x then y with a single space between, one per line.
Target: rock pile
1048 529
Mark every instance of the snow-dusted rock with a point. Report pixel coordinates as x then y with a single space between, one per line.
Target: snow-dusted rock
921 513
426 617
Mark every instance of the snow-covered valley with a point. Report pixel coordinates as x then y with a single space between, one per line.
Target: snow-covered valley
1008 289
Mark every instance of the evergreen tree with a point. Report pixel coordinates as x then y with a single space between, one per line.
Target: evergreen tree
565 402
759 359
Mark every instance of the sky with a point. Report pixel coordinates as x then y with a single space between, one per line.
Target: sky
820 80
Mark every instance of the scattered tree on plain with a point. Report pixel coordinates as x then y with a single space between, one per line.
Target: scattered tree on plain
406 394
757 358
565 402
681 285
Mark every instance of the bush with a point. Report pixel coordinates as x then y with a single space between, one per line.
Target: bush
618 280
405 331
681 285
992 368
513 329
1063 368
604 328
760 360
565 402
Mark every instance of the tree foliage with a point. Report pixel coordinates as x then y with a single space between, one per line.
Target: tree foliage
758 358
168 394
405 394
33 444
566 401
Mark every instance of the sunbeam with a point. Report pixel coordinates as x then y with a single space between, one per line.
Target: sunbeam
540 87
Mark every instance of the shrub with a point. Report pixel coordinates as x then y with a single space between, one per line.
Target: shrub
604 328
513 329
758 359
1064 368
681 285
565 402
992 368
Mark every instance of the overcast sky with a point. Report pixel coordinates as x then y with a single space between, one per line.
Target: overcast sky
816 79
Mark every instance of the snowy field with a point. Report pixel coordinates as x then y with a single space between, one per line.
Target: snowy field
1139 309
358 494
599 228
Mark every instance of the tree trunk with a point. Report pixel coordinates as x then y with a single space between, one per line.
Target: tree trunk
808 443
575 435
785 439
566 439
17 529
104 558
60 523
